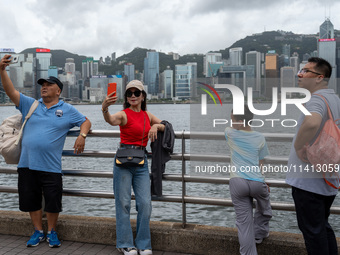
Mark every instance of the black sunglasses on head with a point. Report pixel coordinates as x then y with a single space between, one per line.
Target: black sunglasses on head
137 93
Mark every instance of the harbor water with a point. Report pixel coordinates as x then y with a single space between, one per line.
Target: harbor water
180 115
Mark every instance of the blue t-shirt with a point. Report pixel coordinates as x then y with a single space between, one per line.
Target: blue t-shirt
301 174
246 148
45 133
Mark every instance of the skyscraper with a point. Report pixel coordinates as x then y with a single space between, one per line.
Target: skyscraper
151 72
167 81
90 67
70 66
185 79
288 77
272 73
327 50
211 62
286 54
326 30
253 58
235 56
294 62
129 71
43 61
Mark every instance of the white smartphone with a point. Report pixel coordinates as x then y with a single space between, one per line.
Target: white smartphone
14 59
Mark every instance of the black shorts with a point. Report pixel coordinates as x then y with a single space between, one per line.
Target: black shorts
32 185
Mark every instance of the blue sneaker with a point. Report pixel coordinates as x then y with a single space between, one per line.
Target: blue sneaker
52 239
36 238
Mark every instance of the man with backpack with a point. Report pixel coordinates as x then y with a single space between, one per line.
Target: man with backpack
312 196
39 167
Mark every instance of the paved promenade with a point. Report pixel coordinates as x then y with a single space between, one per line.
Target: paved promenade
12 245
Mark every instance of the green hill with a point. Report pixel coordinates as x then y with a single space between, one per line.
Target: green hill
262 42
137 55
59 57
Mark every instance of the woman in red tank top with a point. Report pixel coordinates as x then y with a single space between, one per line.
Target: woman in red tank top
137 126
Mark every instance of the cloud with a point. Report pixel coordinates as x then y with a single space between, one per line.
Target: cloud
98 28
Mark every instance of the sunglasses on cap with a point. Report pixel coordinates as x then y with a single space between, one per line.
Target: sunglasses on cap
137 93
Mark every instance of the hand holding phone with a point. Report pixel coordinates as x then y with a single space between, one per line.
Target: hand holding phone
13 59
112 87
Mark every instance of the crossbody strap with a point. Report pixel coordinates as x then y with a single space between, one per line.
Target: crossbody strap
29 114
143 129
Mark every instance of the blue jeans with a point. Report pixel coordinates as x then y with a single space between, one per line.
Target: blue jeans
139 179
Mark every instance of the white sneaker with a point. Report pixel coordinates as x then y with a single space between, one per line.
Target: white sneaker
260 240
128 251
145 252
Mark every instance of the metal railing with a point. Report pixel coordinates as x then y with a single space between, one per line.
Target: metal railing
184 178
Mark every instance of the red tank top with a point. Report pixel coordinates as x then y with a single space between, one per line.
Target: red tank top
132 131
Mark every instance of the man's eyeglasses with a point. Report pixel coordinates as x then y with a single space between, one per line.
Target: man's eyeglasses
137 93
303 71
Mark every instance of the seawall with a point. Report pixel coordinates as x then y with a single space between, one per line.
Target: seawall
166 236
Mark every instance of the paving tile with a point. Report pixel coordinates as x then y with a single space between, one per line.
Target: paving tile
16 245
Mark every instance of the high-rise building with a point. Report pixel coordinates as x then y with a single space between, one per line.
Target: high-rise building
294 62
70 66
242 77
286 54
211 63
288 77
254 58
28 74
90 68
235 56
286 50
129 71
107 60
185 79
43 60
305 57
151 72
167 82
326 30
327 50
52 71
272 73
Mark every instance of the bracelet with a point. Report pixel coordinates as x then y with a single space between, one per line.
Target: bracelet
105 111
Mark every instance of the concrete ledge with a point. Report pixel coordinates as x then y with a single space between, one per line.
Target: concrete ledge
166 236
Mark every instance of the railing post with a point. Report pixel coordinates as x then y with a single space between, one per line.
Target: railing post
184 209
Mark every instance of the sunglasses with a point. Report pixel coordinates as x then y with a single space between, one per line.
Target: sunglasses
137 93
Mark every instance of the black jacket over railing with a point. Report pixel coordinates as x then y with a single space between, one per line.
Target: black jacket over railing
161 150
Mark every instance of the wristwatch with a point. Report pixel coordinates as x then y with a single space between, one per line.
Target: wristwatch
83 135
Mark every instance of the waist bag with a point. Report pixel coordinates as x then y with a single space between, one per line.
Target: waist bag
10 135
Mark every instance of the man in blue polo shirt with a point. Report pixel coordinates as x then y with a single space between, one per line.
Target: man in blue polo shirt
39 168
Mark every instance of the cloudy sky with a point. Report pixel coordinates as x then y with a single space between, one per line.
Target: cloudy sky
99 27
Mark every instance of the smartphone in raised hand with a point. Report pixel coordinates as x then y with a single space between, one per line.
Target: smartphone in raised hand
14 59
112 87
